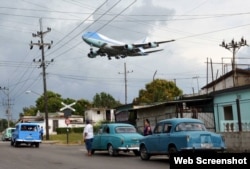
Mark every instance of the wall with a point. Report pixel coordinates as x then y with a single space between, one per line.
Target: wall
154 114
229 99
237 141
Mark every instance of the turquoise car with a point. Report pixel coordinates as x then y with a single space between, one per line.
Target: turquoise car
7 134
115 137
178 135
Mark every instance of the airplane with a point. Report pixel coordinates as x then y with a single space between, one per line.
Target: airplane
113 48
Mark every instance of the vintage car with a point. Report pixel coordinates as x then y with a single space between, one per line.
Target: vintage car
7 133
26 133
179 135
115 137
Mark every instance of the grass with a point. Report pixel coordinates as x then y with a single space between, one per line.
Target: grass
73 138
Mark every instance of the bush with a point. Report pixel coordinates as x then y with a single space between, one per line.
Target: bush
63 130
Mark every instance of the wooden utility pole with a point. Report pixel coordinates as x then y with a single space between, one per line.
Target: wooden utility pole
234 46
44 64
125 80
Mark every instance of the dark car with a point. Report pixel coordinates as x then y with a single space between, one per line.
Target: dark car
180 134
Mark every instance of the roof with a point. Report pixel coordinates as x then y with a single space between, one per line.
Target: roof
137 107
180 120
118 124
27 124
239 71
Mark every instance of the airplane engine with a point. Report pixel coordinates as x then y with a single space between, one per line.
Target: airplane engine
129 47
92 54
153 44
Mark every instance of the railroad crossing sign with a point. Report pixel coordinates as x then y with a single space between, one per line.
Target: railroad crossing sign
68 106
67 109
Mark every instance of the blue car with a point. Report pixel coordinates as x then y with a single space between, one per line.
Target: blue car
115 137
26 133
178 135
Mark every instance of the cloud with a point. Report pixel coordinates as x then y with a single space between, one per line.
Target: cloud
198 28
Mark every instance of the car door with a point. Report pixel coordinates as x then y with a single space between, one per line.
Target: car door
154 140
164 138
105 137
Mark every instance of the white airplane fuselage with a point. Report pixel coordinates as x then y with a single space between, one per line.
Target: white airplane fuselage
113 48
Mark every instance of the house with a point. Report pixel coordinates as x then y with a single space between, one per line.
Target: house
99 114
231 95
55 120
196 108
239 77
232 107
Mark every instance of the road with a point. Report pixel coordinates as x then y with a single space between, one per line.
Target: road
52 156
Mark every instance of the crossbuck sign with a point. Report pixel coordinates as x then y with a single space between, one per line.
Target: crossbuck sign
68 106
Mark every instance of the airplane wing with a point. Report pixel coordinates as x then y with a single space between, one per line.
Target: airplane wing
151 44
152 51
135 47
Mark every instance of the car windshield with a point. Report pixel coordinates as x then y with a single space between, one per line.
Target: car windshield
190 126
125 129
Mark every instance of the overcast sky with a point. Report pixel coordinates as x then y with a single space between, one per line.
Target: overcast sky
198 26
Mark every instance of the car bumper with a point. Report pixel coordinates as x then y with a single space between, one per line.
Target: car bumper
128 148
28 141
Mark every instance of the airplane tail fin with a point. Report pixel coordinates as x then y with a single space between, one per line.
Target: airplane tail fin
145 40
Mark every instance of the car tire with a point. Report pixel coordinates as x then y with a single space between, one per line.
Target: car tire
92 151
111 150
144 153
172 150
16 144
37 145
11 143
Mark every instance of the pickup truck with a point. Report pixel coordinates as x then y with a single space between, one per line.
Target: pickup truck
26 133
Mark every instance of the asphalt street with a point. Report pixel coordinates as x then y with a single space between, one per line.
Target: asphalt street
49 156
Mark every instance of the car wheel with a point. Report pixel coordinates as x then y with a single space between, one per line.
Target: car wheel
172 150
37 145
92 151
111 150
16 144
11 143
144 153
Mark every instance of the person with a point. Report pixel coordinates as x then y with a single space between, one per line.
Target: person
88 135
147 128
41 132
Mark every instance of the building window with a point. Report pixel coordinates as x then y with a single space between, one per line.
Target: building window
228 112
55 125
98 112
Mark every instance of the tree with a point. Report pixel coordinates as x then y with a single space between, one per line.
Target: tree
29 111
104 100
81 106
53 102
158 90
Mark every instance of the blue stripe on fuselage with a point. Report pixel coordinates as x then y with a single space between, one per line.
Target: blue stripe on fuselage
93 35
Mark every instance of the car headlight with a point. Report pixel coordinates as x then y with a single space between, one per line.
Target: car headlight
122 141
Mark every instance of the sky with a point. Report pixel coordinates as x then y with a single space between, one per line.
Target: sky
197 26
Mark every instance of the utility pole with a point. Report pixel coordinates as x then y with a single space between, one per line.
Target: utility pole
43 64
198 87
125 80
8 111
234 47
